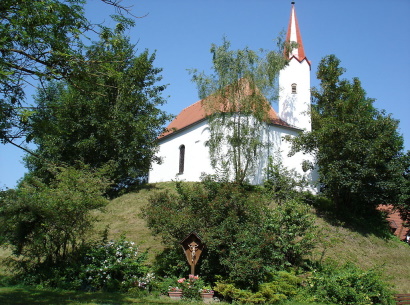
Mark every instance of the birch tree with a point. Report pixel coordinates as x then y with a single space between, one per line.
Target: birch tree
237 97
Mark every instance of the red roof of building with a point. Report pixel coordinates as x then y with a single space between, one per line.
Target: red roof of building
396 223
197 112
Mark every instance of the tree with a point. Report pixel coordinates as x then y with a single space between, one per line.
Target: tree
109 116
358 148
41 40
44 223
235 99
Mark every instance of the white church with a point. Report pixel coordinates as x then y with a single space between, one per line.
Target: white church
183 150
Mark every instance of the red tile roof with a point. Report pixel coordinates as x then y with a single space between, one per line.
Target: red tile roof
197 112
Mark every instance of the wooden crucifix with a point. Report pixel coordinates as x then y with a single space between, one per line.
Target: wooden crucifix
192 246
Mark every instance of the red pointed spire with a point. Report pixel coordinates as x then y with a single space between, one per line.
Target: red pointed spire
293 35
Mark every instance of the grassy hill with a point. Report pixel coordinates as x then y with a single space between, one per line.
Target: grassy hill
340 241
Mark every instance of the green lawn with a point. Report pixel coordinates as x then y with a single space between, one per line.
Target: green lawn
26 296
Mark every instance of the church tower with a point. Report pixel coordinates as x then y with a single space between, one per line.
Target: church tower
294 80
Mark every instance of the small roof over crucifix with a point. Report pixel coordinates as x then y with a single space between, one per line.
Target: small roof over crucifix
192 246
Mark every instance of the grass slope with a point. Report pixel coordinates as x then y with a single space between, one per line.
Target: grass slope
339 242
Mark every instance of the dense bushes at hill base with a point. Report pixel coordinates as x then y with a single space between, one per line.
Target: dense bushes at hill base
347 285
245 239
254 253
114 266
100 266
44 223
281 286
330 284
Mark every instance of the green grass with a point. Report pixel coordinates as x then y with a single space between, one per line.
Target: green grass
25 296
342 243
122 216
22 295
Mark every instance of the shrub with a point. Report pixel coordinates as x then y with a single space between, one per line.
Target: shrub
44 223
282 286
115 265
293 224
191 287
349 285
111 266
283 184
245 239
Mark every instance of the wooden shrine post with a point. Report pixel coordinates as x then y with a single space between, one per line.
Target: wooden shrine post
192 246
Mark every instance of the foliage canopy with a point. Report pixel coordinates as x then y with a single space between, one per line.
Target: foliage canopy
110 116
40 40
358 148
237 98
44 223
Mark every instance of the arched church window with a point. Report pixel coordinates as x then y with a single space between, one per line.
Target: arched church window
294 91
181 159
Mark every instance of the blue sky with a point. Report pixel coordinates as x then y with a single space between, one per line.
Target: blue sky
370 37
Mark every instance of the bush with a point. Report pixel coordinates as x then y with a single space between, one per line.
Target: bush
110 266
115 265
44 223
282 286
191 287
349 285
245 239
283 184
294 227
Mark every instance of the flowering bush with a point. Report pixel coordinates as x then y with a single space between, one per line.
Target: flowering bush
115 265
145 281
191 287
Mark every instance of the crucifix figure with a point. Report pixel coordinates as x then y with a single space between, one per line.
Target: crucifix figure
193 247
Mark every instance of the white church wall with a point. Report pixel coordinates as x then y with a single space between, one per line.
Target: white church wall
196 155
197 159
257 173
278 148
295 162
271 137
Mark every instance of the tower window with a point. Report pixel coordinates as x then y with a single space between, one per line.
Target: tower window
181 159
294 91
